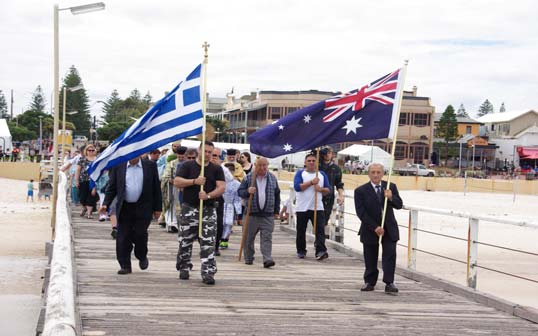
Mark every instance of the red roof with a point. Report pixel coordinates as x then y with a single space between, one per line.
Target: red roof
527 152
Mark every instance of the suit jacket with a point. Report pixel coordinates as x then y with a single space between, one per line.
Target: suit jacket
368 209
150 200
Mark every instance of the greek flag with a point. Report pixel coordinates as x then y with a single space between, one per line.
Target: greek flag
178 115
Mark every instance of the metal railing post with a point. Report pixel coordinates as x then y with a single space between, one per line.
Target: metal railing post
341 224
412 240
291 210
472 252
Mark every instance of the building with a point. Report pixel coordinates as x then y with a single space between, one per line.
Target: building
515 133
466 126
251 112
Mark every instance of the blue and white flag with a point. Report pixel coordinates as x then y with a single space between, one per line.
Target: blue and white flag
370 112
177 116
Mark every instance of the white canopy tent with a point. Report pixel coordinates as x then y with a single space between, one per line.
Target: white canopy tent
5 136
366 154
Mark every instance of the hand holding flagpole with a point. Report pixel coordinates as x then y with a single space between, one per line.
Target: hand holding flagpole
394 142
249 206
204 104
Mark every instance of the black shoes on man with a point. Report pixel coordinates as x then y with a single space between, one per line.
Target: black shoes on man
143 263
389 289
268 264
124 271
184 275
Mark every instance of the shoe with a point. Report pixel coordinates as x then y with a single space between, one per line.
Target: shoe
144 263
114 233
125 271
90 216
173 229
162 224
301 255
208 279
83 212
102 218
223 245
367 287
248 262
391 289
268 264
217 253
322 255
184 275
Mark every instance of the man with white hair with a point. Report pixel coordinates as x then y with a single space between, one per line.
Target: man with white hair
369 202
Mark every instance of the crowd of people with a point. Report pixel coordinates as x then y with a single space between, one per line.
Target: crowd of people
202 193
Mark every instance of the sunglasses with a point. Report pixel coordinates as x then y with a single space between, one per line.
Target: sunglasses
215 155
191 157
91 150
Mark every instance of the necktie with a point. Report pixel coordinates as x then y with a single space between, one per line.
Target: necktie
378 192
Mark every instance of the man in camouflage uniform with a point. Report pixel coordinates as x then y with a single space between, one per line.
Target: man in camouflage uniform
188 177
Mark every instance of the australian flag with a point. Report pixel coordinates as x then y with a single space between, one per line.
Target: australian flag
367 113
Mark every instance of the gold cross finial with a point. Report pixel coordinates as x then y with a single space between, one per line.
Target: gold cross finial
205 46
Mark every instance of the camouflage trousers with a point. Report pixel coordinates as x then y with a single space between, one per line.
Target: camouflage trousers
188 232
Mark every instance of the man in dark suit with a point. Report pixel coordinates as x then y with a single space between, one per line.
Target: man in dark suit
136 185
369 200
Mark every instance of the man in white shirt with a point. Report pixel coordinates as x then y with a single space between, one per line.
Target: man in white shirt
310 187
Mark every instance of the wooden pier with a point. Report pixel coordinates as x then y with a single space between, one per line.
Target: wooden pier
296 297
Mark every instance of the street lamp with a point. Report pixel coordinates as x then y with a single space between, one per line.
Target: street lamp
41 137
71 89
74 10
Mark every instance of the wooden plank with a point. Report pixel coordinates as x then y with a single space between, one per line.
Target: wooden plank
296 297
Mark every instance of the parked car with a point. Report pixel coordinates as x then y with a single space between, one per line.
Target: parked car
415 169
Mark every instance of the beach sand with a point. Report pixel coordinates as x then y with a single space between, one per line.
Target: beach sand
25 229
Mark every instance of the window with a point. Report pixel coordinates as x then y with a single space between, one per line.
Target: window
419 152
421 119
292 109
275 113
401 151
403 119
468 129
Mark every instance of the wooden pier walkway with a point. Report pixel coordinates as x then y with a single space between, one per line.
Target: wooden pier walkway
296 297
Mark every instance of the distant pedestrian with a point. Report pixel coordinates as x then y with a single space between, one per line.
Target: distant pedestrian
30 193
369 202
88 199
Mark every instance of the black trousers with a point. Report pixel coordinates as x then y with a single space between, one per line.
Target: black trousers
388 261
132 230
220 222
302 222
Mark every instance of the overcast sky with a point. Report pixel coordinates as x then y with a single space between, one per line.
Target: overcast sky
458 51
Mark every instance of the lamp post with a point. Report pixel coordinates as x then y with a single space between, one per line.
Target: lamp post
41 137
75 10
71 89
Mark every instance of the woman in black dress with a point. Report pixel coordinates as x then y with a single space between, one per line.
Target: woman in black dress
245 162
87 198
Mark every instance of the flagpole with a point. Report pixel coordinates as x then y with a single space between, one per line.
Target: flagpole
394 142
204 104
314 225
247 215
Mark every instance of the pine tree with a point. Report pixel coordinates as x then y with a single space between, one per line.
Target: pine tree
462 112
3 106
448 128
76 101
38 103
113 107
485 108
502 109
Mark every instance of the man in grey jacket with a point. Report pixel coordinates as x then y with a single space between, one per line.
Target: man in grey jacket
265 207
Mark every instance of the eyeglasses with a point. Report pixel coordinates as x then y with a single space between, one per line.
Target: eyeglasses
191 157
91 150
215 155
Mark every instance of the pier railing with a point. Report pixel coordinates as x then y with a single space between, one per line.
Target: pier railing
60 300
343 221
